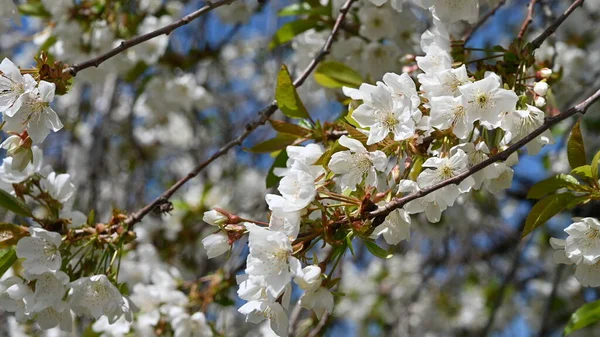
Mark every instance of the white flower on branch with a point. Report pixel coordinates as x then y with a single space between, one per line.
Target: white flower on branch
271 259
34 113
13 85
357 163
59 186
40 251
96 296
485 100
385 111
395 228
320 301
520 123
259 310
16 297
50 288
582 248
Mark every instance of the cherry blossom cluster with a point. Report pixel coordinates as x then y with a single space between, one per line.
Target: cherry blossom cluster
460 120
47 296
581 248
26 112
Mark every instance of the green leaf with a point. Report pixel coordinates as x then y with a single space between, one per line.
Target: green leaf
7 258
34 9
376 250
547 186
287 98
13 204
575 148
280 161
326 156
333 74
546 208
303 9
289 128
274 144
586 315
595 161
10 234
584 172
290 30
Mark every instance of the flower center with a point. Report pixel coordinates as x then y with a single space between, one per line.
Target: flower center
446 172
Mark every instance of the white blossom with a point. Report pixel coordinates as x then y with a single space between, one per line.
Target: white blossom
271 258
216 244
34 113
40 251
259 310
485 100
357 163
395 228
13 85
95 296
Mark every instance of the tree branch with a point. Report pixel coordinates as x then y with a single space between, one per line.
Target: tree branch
554 26
528 19
261 119
166 30
548 123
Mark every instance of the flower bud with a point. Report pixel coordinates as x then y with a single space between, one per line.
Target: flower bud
540 102
216 244
215 218
541 88
310 280
545 73
20 151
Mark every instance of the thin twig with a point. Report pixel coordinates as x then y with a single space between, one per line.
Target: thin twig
396 203
528 19
166 30
262 118
482 20
554 26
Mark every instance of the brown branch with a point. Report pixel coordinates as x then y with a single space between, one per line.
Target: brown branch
528 19
554 26
396 203
261 119
482 20
166 30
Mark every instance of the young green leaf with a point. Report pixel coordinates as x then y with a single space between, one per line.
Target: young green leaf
7 258
584 172
575 148
376 250
333 74
547 186
8 202
548 207
586 315
287 98
289 128
595 166
290 30
280 161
